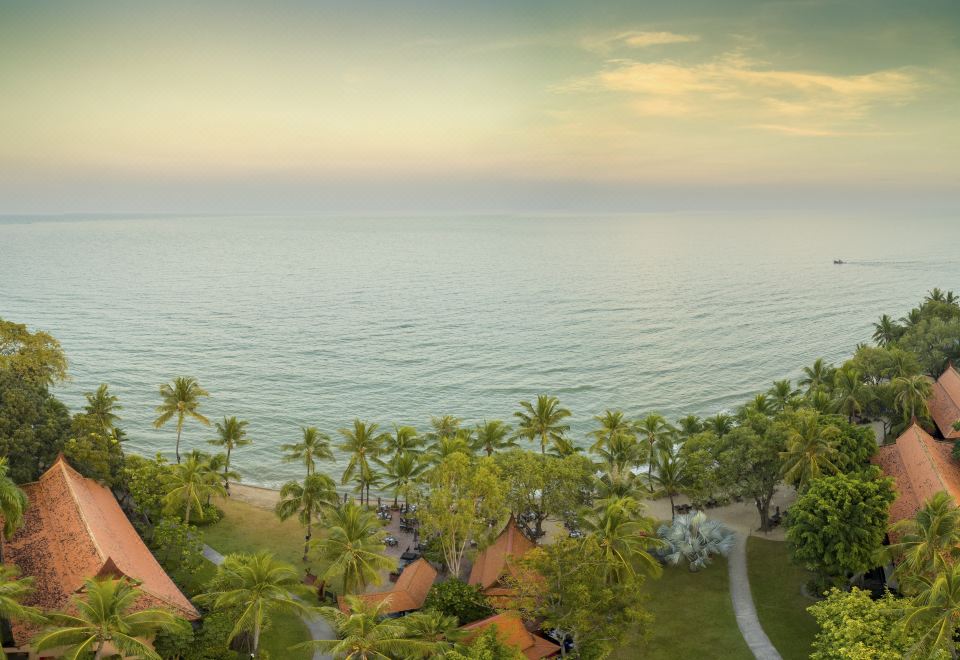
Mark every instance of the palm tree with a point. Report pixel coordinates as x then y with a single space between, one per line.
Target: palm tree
782 394
103 616
542 421
911 395
622 537
442 630
850 392
612 424
13 590
820 401
689 425
913 317
935 294
403 441
810 449
315 445
181 399
760 405
447 445
621 454
232 433
101 406
493 436
720 424
190 484
366 633
671 475
258 587
218 464
307 502
563 447
352 548
928 540
13 501
696 539
364 445
935 610
817 377
885 331
656 431
444 427
402 472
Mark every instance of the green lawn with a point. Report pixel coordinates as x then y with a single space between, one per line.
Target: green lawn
246 528
693 618
775 584
284 632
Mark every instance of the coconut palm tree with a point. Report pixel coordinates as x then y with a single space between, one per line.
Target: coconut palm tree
620 454
689 425
493 436
314 445
911 394
101 406
850 394
819 376
402 472
935 610
447 445
886 331
441 630
13 590
307 501
810 449
696 539
231 433
928 540
543 421
403 441
258 588
181 399
444 426
782 395
13 501
363 444
611 424
913 317
103 617
190 484
655 432
720 424
366 633
617 532
935 294
563 447
352 549
761 404
670 476
218 464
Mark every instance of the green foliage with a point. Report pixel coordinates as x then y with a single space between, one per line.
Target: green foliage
935 341
146 481
455 597
485 646
837 526
748 464
32 357
207 642
13 501
33 426
93 452
853 626
177 546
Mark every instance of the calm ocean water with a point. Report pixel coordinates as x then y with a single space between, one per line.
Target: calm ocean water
306 321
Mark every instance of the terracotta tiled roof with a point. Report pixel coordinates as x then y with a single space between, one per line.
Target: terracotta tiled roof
73 530
512 632
491 564
921 467
407 594
944 403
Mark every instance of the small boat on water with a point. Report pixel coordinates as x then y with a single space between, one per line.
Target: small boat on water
838 261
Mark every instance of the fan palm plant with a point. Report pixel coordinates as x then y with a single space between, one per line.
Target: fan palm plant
694 538
231 433
101 406
314 445
363 444
190 484
103 618
258 588
352 550
493 436
542 421
181 399
13 501
307 501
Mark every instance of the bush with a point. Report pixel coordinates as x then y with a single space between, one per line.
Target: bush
694 538
454 597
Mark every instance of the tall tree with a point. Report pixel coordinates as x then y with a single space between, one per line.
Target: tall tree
258 588
886 331
934 613
721 424
748 465
493 436
103 616
440 631
404 440
655 432
611 426
231 433
34 426
622 537
445 426
307 501
402 472
542 421
352 551
811 449
911 394
181 399
13 501
33 357
782 394
850 393
363 444
670 476
818 376
101 406
314 446
190 484
929 540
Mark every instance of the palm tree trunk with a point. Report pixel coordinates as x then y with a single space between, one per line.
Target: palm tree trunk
99 652
543 444
226 468
179 429
306 542
256 639
673 512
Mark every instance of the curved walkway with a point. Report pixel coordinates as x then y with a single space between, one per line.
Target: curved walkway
317 625
743 606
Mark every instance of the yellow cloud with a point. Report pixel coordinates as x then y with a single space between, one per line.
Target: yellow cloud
635 39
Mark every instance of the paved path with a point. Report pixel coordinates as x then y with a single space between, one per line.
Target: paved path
318 626
743 606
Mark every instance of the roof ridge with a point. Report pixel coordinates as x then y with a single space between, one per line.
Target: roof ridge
930 457
71 487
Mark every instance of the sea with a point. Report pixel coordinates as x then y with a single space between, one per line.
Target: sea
297 321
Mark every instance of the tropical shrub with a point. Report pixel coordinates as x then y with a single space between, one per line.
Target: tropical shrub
455 597
693 538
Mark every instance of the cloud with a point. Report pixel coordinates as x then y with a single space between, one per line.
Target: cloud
635 39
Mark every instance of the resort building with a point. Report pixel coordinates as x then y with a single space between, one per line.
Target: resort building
74 530
496 561
921 467
512 632
944 402
407 595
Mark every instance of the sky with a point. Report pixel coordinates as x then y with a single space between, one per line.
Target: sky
361 106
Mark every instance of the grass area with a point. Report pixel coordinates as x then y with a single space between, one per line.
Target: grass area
693 618
284 632
246 528
775 584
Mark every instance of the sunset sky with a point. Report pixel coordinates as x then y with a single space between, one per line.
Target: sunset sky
376 106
